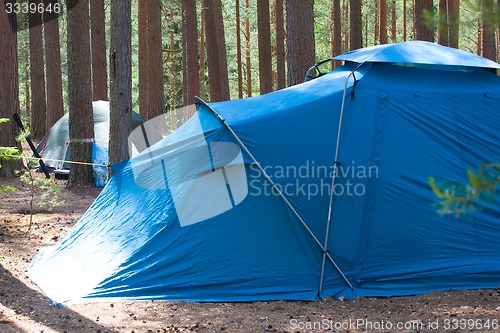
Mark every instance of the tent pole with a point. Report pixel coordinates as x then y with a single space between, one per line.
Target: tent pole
335 164
283 197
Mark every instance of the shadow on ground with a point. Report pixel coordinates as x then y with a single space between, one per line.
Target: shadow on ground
31 309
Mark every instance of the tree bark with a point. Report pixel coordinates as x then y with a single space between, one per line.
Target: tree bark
443 37
143 58
393 21
99 66
383 22
248 64
9 87
345 18
156 91
424 29
356 31
337 32
191 77
453 19
221 47
479 49
203 84
120 117
55 104
37 72
498 35
280 45
81 119
238 50
171 67
300 39
404 21
265 64
376 28
216 51
489 42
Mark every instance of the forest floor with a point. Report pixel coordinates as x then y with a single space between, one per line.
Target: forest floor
23 307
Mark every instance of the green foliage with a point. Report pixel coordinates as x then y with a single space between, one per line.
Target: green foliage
48 191
6 190
23 135
6 154
462 198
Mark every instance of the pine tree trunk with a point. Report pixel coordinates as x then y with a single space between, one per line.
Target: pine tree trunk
404 21
171 67
489 42
280 45
143 58
38 98
356 31
265 64
27 86
337 32
221 48
120 116
156 91
443 23
98 39
453 19
81 120
216 51
9 87
424 29
498 36
332 31
247 48
383 22
414 21
191 77
479 49
300 39
55 104
345 18
203 90
393 21
376 27
238 50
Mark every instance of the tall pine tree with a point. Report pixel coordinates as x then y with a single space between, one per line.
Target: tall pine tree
53 73
81 118
300 39
37 72
9 87
265 64
120 117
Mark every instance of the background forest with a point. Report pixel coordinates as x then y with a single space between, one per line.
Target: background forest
381 22
154 56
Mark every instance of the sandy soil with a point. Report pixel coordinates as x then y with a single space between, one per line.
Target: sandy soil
23 308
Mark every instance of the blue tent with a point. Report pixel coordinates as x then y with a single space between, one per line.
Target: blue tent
318 190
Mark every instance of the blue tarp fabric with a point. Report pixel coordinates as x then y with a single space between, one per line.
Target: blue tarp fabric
196 216
99 167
